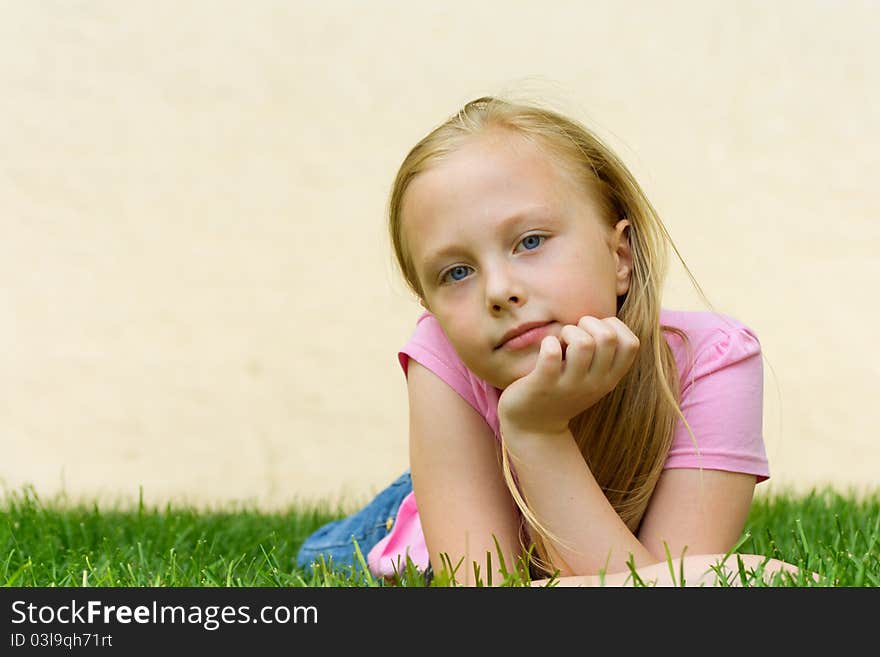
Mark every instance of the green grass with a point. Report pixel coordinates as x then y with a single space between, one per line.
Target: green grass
50 543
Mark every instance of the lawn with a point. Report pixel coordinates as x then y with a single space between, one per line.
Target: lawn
47 542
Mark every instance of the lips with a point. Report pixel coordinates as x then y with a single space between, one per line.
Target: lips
510 338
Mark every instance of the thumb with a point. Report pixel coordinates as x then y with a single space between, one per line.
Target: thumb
549 358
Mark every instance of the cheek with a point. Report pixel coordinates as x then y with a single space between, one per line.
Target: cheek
594 302
459 327
592 292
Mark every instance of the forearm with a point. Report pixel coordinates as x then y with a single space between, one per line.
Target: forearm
565 497
694 570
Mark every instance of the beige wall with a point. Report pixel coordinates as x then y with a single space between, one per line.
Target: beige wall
197 292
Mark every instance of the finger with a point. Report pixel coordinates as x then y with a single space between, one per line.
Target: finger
549 363
605 337
627 346
579 350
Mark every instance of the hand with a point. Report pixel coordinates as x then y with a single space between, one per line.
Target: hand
597 353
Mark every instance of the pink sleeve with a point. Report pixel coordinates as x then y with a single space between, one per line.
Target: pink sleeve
431 348
722 399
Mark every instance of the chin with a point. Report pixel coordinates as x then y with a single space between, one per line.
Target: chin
498 380
508 371
518 371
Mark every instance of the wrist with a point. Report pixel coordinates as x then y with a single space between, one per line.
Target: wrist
518 436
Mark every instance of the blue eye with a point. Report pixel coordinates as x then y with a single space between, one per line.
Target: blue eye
532 242
457 273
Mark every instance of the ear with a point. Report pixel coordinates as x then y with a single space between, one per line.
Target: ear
623 259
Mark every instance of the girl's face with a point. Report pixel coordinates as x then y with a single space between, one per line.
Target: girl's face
500 237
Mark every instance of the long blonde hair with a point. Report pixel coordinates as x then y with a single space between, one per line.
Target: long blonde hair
626 458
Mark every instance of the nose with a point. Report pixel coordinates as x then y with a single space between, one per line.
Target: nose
503 289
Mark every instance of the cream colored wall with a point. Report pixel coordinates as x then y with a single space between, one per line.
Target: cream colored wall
198 296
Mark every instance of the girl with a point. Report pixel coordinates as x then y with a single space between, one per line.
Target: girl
553 404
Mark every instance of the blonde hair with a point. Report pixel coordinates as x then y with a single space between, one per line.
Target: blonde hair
626 458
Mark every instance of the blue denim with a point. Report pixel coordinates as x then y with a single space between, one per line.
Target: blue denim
368 526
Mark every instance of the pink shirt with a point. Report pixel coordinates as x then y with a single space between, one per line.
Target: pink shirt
721 397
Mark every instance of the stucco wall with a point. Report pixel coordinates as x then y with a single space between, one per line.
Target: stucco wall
198 296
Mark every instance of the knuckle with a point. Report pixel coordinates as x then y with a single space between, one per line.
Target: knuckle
581 344
605 337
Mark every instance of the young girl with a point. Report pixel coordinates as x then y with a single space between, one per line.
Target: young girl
553 403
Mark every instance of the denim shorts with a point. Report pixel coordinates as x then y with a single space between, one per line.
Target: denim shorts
368 526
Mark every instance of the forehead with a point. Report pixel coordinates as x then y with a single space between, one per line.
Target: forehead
478 186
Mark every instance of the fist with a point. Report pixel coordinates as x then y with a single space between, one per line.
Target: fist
571 374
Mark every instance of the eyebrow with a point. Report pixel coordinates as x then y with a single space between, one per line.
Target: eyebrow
433 259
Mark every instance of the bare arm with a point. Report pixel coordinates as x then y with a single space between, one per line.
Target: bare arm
692 570
706 517
461 495
704 514
562 492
